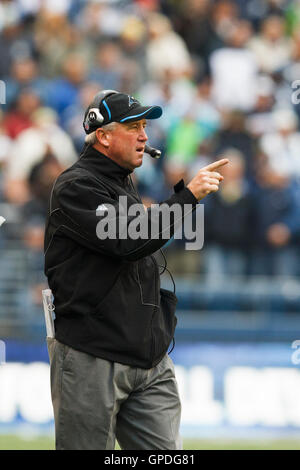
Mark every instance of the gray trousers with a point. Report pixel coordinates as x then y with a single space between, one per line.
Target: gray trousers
96 401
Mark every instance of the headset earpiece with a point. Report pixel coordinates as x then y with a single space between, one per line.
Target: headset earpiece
94 117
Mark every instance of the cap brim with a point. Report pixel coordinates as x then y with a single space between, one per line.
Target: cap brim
143 112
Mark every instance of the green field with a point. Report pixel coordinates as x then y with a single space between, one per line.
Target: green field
11 442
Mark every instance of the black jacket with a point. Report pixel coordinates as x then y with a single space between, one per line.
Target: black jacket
107 295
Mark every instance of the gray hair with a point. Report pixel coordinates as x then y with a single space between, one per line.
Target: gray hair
91 138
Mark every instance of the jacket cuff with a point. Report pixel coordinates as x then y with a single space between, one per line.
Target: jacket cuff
187 195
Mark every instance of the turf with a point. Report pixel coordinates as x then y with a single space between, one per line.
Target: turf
12 442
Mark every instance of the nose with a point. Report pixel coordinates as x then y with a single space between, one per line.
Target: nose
143 136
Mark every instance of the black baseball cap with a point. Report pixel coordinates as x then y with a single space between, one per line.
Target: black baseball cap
119 107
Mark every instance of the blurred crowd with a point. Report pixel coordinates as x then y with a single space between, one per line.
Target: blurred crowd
226 74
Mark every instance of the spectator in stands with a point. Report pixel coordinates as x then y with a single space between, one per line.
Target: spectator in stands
40 181
282 146
5 147
234 134
228 223
20 116
108 67
234 70
260 120
56 38
277 224
256 11
206 113
103 19
72 116
30 147
133 43
194 24
166 51
292 15
271 47
5 141
183 140
25 74
64 91
15 42
223 16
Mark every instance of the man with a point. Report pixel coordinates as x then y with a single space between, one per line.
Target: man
111 375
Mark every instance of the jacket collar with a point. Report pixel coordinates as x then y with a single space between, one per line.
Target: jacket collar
100 164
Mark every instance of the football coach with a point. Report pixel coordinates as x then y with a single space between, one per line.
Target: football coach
111 375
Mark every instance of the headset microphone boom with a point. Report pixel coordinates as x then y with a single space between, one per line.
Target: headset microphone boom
154 153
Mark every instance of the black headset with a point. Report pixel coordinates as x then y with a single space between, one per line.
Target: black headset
93 117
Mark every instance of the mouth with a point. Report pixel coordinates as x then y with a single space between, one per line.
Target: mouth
140 149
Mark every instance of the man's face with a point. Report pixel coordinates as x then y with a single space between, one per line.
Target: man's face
127 144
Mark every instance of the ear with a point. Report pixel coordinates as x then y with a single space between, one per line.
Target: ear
102 137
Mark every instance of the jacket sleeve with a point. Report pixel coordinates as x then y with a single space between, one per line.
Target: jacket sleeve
76 215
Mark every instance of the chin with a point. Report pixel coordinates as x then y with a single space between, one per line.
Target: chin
138 163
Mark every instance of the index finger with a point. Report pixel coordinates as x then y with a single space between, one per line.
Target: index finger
213 166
